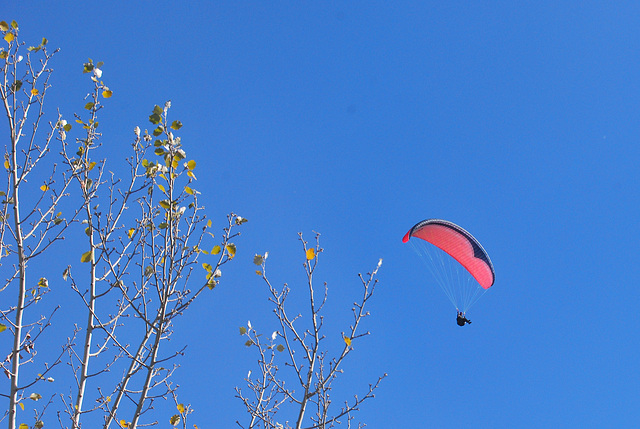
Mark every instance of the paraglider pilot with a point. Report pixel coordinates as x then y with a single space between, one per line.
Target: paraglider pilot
461 319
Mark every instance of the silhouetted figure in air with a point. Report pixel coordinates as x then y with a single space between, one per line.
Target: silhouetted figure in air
461 319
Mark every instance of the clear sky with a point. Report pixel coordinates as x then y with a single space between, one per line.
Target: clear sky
519 121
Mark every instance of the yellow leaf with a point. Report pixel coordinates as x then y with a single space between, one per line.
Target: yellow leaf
216 249
174 420
165 204
347 341
190 174
124 424
87 256
188 190
44 188
9 37
107 93
191 164
130 232
209 223
7 165
93 164
180 408
311 253
2 327
161 187
23 425
35 91
22 406
258 272
231 248
4 26
108 399
175 163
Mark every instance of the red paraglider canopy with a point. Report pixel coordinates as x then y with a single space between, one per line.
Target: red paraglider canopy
459 244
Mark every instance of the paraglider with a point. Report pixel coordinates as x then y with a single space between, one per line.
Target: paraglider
457 260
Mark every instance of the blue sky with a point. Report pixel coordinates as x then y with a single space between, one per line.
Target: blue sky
517 120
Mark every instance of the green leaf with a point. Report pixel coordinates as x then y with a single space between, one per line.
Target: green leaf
39 424
87 67
165 204
14 25
148 271
67 127
89 105
258 259
155 119
207 267
44 41
176 125
243 330
158 131
15 86
159 151
157 110
87 256
163 225
3 54
216 249
188 190
249 343
87 231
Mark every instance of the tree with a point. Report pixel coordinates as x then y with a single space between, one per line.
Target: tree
145 236
310 366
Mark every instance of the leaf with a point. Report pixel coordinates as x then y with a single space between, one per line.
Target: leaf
4 26
243 330
39 424
87 256
14 25
211 283
107 93
207 267
44 41
258 259
3 327
188 190
216 249
180 408
65 274
35 91
191 165
67 127
89 105
23 425
174 420
311 253
22 406
161 187
258 272
157 110
7 165
347 341
165 204
9 37
231 248
35 396
280 348
3 54
92 165
163 225
130 232
123 423
44 188
249 343
176 125
155 119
